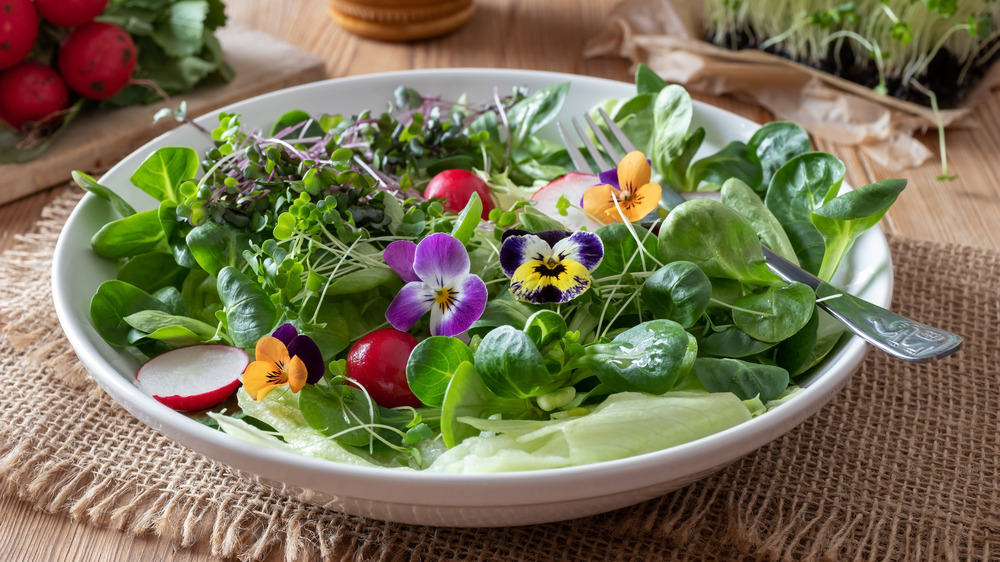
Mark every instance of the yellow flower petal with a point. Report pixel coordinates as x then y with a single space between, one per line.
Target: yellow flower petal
297 374
546 282
598 202
272 350
260 377
644 200
633 171
264 392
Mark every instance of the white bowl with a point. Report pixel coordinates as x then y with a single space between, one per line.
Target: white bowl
423 498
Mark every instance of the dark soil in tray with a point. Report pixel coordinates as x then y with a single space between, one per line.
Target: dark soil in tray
941 76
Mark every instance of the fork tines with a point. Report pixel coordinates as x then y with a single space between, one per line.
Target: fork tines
608 148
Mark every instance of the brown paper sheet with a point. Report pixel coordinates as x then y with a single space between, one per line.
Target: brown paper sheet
667 35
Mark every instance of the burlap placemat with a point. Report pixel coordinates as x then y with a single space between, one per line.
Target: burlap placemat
902 464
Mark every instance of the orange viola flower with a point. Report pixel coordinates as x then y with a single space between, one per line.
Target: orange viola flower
627 188
273 368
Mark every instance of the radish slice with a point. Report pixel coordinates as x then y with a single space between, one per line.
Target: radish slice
193 378
573 185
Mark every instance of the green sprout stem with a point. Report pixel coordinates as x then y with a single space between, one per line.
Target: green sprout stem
919 66
888 12
635 236
614 291
621 309
940 126
734 307
978 58
782 36
873 48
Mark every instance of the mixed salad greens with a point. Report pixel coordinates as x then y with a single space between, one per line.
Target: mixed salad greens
314 249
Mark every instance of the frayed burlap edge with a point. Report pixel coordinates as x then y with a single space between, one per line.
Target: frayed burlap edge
732 515
32 468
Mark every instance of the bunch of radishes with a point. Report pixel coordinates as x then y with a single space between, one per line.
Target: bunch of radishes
94 59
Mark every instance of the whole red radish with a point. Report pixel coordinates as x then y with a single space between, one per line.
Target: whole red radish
70 13
378 363
97 60
193 378
29 92
457 187
18 31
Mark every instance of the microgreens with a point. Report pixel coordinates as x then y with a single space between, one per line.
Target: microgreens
909 32
899 39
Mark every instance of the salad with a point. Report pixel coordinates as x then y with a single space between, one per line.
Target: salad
431 286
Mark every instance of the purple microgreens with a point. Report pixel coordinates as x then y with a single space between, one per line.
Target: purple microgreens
552 266
292 128
445 288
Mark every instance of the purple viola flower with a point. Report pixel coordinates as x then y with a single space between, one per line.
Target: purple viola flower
438 281
552 266
399 255
609 177
304 348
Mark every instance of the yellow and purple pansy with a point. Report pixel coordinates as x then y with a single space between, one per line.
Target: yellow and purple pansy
285 358
627 188
438 281
553 266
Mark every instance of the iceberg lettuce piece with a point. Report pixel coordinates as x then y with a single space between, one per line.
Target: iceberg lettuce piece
791 392
242 430
500 453
755 406
280 410
625 424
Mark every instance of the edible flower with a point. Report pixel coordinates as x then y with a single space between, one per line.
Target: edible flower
627 188
550 267
284 358
303 347
438 281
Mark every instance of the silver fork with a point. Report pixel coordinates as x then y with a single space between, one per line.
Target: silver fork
894 334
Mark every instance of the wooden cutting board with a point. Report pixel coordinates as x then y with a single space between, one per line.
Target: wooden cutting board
96 141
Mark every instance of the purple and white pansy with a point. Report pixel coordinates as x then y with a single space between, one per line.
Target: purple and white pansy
553 266
438 281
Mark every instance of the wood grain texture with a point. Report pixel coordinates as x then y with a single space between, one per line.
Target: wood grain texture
531 34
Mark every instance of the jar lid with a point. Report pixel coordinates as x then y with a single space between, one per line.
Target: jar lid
400 20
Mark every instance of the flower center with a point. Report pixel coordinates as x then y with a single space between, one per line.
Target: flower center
444 298
627 200
550 268
277 375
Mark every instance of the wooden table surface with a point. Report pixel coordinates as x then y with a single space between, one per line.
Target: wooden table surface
530 34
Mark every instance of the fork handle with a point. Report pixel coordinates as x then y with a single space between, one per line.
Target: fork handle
894 334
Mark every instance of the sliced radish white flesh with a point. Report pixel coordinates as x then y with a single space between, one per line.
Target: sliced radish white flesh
193 378
572 186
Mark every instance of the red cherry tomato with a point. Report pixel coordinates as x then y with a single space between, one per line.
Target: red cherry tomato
457 187
378 363
97 60
70 13
29 92
18 31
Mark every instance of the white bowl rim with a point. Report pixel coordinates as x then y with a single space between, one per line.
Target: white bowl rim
531 486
